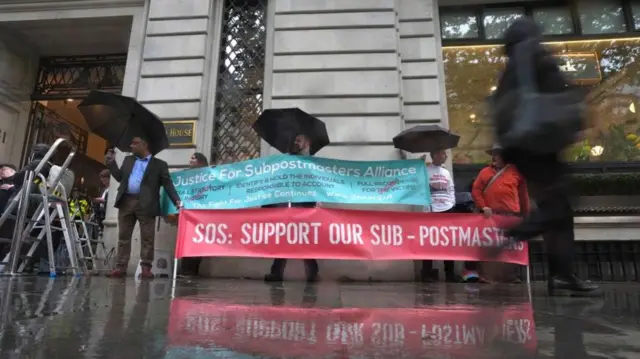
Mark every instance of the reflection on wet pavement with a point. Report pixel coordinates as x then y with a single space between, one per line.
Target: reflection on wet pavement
103 318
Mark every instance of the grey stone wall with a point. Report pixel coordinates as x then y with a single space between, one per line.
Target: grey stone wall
171 69
18 69
338 60
173 74
369 69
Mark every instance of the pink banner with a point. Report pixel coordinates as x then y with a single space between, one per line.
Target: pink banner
343 234
389 332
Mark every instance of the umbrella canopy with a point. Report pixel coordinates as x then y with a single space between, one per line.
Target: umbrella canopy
425 138
279 127
118 119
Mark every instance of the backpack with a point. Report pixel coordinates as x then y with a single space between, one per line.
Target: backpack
539 122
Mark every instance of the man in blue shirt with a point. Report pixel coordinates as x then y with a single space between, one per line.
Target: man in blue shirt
138 200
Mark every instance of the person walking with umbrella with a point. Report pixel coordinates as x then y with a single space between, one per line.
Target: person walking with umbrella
293 131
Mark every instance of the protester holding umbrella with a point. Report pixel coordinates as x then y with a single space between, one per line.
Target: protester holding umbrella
435 140
443 200
129 126
301 147
138 200
295 132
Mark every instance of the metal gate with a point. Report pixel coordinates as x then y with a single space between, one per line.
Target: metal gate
240 81
69 78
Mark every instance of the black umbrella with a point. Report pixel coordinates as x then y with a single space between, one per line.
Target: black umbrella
425 138
279 127
118 119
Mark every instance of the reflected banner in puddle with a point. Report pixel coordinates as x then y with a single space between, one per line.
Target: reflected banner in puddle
464 331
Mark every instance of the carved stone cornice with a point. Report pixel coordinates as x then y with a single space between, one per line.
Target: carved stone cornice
57 5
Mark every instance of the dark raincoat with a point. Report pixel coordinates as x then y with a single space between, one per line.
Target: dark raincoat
545 173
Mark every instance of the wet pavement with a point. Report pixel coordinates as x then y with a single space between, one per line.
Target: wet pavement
103 318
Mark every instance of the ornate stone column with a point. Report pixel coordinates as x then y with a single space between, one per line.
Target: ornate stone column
171 69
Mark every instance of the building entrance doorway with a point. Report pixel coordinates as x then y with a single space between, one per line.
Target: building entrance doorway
8 125
61 84
67 58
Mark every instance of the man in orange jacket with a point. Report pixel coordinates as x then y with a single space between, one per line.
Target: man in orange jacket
499 189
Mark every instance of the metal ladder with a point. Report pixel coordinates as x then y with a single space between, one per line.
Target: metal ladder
92 249
54 208
49 209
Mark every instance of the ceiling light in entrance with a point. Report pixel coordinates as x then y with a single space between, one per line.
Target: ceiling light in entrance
597 151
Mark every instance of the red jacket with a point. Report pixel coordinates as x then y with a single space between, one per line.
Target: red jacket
508 193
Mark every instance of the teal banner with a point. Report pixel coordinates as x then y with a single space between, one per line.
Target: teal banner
296 179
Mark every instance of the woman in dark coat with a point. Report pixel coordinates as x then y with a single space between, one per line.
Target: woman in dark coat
190 266
546 174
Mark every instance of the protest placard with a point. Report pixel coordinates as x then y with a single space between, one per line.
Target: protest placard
322 233
286 178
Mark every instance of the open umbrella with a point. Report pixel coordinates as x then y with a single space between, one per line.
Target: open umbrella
425 138
118 119
279 127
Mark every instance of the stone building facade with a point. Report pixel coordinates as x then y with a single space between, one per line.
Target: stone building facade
368 68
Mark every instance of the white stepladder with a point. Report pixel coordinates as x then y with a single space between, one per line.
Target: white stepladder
54 216
53 204
92 250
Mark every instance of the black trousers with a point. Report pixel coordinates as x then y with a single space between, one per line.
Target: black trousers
427 265
310 267
546 176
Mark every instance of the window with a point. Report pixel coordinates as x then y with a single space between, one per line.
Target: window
601 17
554 20
496 21
635 10
459 26
609 70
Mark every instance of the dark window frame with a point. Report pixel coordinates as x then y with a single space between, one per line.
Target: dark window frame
526 10
628 11
472 14
632 32
529 7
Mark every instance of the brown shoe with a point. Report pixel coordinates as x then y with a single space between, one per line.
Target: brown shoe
146 273
117 274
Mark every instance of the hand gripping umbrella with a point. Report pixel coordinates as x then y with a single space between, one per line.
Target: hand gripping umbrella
279 127
425 138
118 119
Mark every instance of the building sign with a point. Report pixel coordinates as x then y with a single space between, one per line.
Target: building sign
580 67
181 133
